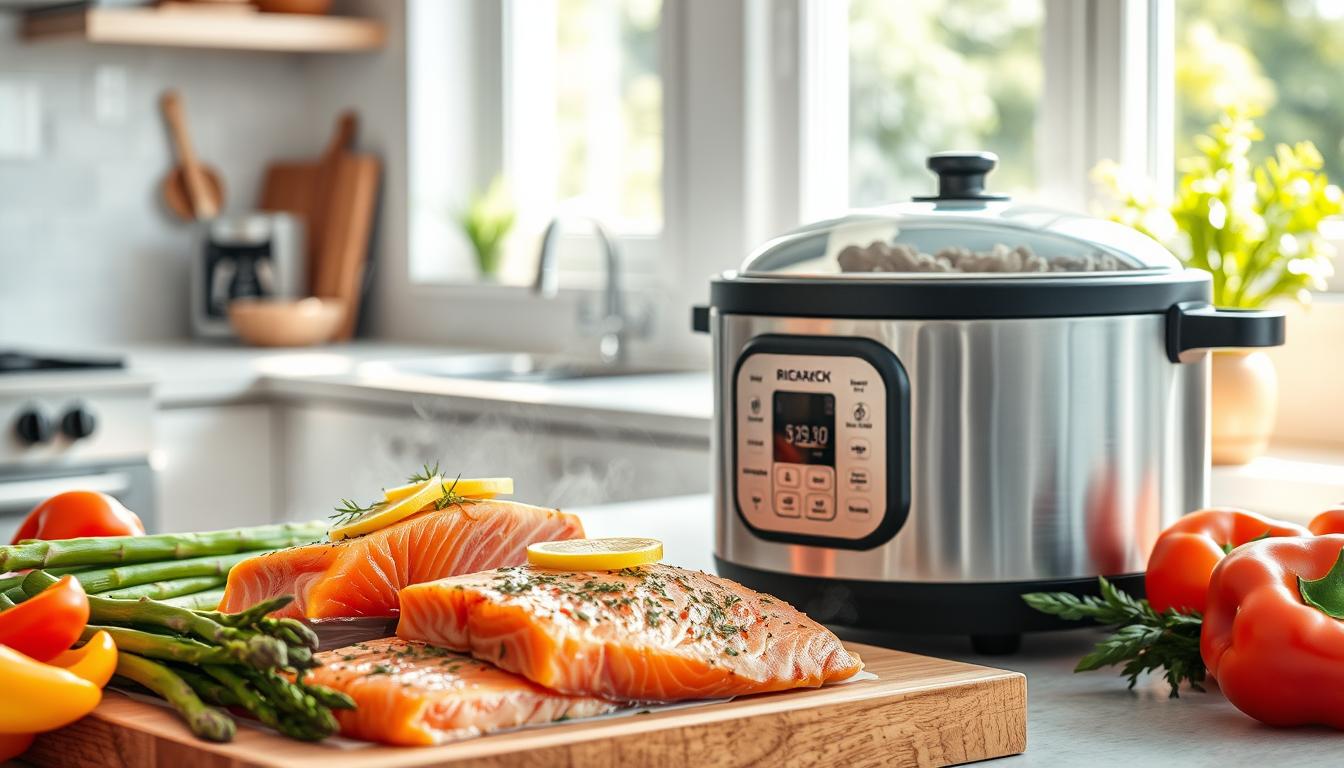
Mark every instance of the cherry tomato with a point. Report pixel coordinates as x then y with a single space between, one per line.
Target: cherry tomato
75 514
44 626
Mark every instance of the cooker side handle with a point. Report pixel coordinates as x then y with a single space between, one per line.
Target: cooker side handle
1197 325
700 319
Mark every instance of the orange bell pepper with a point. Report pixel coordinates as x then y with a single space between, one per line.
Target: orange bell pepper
46 624
14 744
1273 635
1184 556
94 661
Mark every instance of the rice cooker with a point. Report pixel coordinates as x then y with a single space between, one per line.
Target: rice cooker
926 410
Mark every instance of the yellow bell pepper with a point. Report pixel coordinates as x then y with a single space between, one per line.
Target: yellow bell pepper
40 697
94 661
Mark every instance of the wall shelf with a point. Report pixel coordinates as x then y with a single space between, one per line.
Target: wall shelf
206 29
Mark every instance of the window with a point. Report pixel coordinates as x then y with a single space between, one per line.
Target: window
1279 57
561 100
584 113
936 75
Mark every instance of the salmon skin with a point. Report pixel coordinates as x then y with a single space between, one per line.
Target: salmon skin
361 576
652 633
415 694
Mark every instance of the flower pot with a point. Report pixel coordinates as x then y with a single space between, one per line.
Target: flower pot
1245 398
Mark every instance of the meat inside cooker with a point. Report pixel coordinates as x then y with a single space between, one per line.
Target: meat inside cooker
880 256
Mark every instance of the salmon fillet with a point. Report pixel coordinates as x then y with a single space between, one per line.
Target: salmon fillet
653 633
415 694
361 576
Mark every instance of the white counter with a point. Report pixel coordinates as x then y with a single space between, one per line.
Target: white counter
199 373
1088 719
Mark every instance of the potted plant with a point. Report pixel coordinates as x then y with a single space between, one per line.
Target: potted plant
1255 229
487 221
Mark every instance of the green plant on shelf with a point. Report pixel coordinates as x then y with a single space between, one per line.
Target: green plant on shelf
1254 228
487 221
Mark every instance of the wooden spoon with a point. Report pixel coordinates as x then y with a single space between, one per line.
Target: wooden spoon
191 190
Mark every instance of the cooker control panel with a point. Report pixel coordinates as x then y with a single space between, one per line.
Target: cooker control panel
814 440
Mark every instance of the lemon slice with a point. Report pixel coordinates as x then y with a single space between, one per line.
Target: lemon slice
595 554
469 488
382 515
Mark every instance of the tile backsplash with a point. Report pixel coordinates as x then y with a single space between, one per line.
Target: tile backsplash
88 252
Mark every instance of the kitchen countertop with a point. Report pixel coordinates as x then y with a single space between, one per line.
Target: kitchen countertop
1072 719
191 373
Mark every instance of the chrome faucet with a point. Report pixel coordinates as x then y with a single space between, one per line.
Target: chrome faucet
614 325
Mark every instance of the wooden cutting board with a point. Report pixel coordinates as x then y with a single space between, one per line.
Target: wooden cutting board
921 711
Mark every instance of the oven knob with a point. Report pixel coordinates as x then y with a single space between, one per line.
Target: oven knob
33 427
78 422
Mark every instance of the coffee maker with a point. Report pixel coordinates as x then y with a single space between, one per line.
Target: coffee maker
253 255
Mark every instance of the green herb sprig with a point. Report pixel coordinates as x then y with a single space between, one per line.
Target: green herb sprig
1143 641
350 510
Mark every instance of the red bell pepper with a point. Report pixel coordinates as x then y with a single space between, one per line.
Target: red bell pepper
46 625
1329 521
1186 553
75 514
1273 635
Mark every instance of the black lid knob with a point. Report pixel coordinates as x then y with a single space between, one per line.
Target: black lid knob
961 175
78 423
33 427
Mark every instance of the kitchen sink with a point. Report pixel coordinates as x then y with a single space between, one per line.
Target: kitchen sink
518 367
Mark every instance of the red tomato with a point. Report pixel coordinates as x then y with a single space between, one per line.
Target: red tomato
75 514
44 626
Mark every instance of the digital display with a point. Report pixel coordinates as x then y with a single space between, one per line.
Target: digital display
804 428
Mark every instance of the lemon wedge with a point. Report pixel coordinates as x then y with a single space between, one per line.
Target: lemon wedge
382 515
595 554
468 488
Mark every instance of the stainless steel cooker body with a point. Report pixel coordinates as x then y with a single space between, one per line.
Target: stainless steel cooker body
1039 449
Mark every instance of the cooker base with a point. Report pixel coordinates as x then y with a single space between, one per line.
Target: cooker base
991 613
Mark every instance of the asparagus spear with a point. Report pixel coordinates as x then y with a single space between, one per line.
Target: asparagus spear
312 724
248 647
161 590
120 577
165 647
9 582
5 602
111 550
205 721
208 599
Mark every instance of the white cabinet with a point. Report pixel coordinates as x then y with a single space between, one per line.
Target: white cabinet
333 450
215 466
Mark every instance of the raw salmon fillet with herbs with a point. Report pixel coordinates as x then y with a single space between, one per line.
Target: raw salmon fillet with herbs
361 576
415 694
652 633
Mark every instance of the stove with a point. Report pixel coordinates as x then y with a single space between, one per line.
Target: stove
72 422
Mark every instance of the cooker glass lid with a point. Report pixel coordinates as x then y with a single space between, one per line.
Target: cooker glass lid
962 232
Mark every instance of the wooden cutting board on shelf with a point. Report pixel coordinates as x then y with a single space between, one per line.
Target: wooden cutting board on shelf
921 711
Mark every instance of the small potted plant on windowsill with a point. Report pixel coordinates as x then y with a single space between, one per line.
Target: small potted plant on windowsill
487 221
1255 229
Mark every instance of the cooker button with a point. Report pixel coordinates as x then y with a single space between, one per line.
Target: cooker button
859 449
820 478
858 480
787 504
755 405
788 476
859 506
861 412
754 498
756 444
820 506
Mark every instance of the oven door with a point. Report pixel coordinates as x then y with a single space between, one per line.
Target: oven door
132 484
